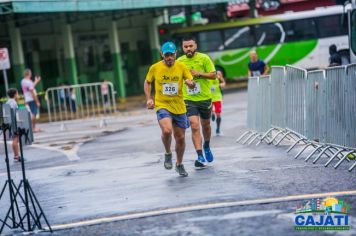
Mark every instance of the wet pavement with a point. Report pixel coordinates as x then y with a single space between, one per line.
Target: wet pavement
81 171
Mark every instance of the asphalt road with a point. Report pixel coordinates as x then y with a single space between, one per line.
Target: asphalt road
113 179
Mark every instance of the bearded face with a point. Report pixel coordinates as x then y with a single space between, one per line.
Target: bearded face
189 48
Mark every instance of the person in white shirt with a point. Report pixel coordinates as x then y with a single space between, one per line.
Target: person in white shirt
31 99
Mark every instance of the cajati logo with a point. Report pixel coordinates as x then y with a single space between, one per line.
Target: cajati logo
322 214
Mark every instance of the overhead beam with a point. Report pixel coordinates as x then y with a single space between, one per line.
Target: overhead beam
35 6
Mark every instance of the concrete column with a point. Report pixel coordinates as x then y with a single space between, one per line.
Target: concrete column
37 69
154 39
117 60
17 55
71 67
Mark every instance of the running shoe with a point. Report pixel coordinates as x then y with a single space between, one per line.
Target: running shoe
200 162
208 155
168 161
181 171
219 133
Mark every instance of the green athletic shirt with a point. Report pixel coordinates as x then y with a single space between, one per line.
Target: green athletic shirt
202 63
216 94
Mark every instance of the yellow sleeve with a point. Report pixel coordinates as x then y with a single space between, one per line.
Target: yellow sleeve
150 75
186 73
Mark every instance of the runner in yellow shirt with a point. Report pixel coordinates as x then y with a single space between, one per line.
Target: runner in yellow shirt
168 76
217 99
198 100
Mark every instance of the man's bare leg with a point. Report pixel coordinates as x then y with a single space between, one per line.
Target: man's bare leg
205 124
166 136
196 136
179 136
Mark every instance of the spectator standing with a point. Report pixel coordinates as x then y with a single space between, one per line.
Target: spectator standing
31 99
256 67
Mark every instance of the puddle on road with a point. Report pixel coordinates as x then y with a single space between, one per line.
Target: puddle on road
77 173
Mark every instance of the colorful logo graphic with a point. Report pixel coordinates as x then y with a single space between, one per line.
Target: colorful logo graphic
322 214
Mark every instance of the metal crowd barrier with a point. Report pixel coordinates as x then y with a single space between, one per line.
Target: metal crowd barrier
264 104
335 109
295 99
316 109
278 118
251 111
350 102
252 103
316 106
80 101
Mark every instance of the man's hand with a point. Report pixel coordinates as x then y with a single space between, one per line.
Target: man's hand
37 79
150 104
190 83
38 104
195 73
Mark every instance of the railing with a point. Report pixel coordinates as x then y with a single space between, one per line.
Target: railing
317 109
80 101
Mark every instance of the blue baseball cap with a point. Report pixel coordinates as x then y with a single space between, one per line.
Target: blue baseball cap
168 47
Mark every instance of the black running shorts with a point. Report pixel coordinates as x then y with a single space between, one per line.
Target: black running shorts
200 108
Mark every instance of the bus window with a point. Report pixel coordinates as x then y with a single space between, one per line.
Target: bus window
353 32
239 37
330 26
209 40
267 34
299 30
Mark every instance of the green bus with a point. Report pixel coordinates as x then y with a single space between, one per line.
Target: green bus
297 38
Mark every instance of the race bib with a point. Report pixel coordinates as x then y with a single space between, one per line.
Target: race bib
195 90
170 89
256 73
212 89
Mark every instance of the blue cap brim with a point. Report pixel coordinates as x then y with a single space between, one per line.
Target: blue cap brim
168 51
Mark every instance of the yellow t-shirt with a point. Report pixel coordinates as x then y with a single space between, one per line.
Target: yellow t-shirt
168 83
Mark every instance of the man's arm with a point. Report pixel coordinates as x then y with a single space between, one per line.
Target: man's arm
34 95
188 78
147 87
208 66
221 80
266 70
210 75
37 80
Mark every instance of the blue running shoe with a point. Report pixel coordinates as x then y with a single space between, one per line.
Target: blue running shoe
208 155
200 162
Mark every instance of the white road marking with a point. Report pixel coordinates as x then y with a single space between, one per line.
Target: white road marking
200 207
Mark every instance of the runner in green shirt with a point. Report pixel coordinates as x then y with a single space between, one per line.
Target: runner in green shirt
217 99
198 100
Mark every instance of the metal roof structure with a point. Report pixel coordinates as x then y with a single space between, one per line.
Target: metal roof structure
47 6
